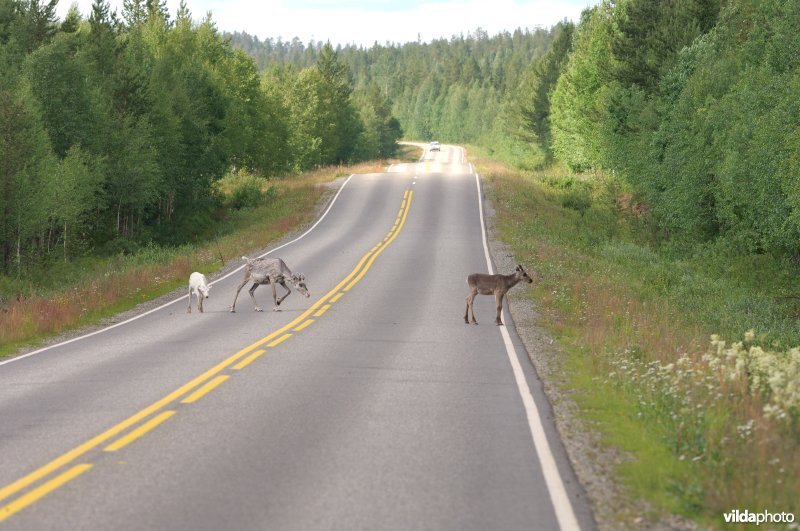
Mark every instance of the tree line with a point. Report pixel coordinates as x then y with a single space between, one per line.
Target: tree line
694 103
115 127
453 89
690 105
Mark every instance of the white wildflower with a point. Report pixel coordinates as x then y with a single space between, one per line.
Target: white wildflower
773 411
745 430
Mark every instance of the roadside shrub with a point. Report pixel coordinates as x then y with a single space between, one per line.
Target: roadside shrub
246 193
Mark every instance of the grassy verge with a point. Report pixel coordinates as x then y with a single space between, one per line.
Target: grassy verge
96 288
711 426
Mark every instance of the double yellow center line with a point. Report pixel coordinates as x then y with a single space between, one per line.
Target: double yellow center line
186 394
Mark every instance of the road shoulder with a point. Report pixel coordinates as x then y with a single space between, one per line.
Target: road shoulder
593 462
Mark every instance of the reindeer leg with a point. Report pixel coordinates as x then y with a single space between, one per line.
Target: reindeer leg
275 301
288 292
189 309
200 301
233 306
252 290
471 306
499 298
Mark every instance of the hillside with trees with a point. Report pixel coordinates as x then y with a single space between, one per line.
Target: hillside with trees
689 104
453 89
116 127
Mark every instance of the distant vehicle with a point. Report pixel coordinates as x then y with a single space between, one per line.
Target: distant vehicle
434 146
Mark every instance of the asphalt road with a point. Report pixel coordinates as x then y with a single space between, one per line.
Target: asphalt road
369 405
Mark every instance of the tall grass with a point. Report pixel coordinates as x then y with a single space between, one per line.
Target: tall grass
93 288
637 319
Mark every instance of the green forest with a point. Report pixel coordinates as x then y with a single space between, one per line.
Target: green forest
690 105
452 89
114 128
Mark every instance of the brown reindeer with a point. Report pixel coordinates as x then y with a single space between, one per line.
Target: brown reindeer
496 285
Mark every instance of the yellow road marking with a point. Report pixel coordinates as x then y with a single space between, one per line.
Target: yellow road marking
393 235
71 455
78 451
122 442
336 297
42 491
322 310
304 325
280 340
245 362
207 388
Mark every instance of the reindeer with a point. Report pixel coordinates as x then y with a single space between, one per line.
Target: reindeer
198 285
497 285
270 271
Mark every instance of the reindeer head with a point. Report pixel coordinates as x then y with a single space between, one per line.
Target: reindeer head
299 282
522 275
205 289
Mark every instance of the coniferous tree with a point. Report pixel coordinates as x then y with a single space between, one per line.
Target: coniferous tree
527 112
72 21
134 12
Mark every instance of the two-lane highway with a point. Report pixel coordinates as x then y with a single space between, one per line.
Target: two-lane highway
370 405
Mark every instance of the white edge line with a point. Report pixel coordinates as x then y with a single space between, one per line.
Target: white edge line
565 514
74 339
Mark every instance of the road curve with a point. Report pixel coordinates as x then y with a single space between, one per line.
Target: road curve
369 405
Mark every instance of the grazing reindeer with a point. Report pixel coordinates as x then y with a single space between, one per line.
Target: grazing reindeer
492 284
198 285
270 271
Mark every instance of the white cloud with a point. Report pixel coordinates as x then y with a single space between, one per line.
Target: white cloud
359 23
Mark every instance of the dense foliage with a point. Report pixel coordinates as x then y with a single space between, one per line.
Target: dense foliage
114 128
690 104
451 89
693 104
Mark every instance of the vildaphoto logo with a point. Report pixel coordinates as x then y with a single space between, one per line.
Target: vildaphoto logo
764 517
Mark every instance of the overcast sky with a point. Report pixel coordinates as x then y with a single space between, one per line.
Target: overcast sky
363 22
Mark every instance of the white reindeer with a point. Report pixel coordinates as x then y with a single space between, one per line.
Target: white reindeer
496 285
270 271
198 285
